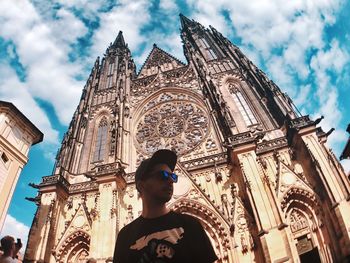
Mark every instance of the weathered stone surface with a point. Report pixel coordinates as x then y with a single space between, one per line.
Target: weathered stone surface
255 174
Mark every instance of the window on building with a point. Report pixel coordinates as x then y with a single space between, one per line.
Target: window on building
101 140
242 106
110 75
209 52
4 157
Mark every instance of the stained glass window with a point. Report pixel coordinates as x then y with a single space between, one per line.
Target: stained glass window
101 140
209 52
242 106
110 75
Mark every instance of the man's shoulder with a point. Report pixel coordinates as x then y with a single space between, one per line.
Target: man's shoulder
185 217
130 226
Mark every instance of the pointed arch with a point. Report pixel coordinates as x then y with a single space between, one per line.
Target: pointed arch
208 50
110 73
75 248
304 216
242 103
101 140
216 228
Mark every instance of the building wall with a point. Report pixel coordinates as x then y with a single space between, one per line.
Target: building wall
252 170
16 137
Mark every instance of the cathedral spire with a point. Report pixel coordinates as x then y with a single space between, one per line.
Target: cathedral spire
186 22
119 41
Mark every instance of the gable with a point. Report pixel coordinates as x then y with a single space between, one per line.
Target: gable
159 59
288 178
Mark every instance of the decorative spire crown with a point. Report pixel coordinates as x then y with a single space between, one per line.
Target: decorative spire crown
119 41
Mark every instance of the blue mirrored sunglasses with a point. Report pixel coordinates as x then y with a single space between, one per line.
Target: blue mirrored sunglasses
167 174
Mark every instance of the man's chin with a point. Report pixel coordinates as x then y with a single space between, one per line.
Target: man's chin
165 198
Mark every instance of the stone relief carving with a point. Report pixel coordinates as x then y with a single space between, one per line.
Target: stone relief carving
180 125
297 221
130 191
113 206
130 215
113 135
179 77
94 213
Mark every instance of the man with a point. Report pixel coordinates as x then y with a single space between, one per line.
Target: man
160 235
10 249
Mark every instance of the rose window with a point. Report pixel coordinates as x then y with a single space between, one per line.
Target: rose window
177 125
170 127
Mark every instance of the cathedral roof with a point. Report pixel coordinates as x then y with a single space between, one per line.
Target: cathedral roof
158 58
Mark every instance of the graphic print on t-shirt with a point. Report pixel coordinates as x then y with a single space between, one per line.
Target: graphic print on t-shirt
158 245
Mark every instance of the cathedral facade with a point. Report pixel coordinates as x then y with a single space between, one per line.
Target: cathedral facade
254 171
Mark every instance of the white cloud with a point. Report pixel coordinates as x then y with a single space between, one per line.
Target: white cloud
294 27
41 51
16 92
280 75
128 17
336 140
332 59
208 13
88 8
346 165
168 6
16 229
72 27
303 97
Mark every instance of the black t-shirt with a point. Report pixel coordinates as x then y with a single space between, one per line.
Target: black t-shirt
171 238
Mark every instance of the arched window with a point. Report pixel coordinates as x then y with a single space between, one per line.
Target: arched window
242 106
209 52
101 140
110 75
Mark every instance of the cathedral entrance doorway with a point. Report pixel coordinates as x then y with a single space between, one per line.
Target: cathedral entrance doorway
307 252
75 248
310 256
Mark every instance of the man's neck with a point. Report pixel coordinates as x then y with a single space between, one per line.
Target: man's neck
154 210
7 254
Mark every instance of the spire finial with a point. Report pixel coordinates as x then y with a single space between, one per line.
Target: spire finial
185 22
119 41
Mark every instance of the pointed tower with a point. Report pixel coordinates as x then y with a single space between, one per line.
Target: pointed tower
252 170
77 211
292 186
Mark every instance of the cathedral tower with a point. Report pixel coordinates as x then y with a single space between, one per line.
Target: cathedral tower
252 170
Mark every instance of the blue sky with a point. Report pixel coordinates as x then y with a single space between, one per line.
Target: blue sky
47 49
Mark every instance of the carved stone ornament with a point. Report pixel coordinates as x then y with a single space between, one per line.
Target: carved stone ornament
178 124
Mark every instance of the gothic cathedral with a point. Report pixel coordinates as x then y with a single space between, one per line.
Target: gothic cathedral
254 171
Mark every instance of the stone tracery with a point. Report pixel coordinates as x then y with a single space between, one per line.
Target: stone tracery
179 124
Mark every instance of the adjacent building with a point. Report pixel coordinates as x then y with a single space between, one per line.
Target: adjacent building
17 135
254 171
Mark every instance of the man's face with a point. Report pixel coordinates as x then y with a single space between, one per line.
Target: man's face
156 187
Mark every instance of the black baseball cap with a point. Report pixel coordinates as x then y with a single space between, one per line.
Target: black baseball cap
162 156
